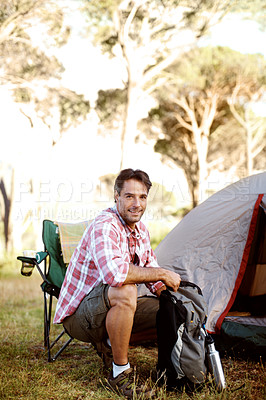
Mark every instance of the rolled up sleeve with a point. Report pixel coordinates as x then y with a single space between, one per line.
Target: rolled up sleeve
152 263
107 254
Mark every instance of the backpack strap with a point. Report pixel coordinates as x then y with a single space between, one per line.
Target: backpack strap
190 284
187 284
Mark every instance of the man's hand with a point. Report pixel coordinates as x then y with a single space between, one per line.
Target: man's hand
171 279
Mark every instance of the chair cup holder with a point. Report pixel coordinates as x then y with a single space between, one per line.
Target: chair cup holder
27 266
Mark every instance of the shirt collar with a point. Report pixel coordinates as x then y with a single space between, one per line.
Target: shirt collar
129 231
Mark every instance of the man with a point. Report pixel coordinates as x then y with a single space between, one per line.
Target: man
98 299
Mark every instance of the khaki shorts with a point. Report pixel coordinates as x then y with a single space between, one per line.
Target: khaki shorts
88 321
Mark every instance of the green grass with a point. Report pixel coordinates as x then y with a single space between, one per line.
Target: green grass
78 373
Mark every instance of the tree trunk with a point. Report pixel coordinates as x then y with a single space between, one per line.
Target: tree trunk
249 150
129 130
6 212
7 203
249 141
194 189
202 142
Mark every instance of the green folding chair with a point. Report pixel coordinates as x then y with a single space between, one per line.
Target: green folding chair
52 273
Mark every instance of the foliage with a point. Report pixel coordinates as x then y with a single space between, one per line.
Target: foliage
195 102
73 107
21 60
158 231
155 18
254 127
260 161
147 37
22 95
249 89
253 10
227 145
110 104
24 64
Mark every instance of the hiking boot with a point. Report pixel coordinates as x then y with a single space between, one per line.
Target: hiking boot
125 385
105 352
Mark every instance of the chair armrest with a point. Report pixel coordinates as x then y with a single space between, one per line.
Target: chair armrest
29 260
28 263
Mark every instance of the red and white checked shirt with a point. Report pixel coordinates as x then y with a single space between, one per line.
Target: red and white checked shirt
103 255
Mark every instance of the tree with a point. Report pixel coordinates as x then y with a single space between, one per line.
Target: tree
252 10
148 36
28 68
5 205
22 61
194 103
246 94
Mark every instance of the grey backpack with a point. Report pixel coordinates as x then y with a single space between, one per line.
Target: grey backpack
180 334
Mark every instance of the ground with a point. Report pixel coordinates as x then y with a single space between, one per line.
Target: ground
78 373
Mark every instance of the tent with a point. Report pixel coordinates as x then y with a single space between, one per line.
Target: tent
221 246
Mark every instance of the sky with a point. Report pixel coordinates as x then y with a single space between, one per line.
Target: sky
241 35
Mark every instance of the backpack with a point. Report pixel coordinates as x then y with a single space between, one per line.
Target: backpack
180 335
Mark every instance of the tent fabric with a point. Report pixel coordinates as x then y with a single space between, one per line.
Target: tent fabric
243 263
248 320
211 245
242 339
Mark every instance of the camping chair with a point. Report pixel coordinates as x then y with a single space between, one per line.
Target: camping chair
60 240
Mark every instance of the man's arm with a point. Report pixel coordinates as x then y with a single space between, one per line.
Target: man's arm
146 275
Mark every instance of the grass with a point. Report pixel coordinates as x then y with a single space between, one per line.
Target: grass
78 373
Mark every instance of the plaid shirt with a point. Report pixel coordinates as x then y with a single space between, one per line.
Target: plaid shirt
103 255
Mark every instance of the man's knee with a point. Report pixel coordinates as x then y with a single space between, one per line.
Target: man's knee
124 296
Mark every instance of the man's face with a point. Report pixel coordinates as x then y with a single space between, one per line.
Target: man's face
132 201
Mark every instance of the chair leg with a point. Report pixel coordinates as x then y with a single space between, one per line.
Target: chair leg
47 324
63 347
45 332
50 311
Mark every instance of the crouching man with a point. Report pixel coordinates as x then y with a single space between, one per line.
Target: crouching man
98 300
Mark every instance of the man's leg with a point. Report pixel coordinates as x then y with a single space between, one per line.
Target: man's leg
88 322
119 320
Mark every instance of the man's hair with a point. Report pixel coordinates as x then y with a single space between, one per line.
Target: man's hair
130 173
